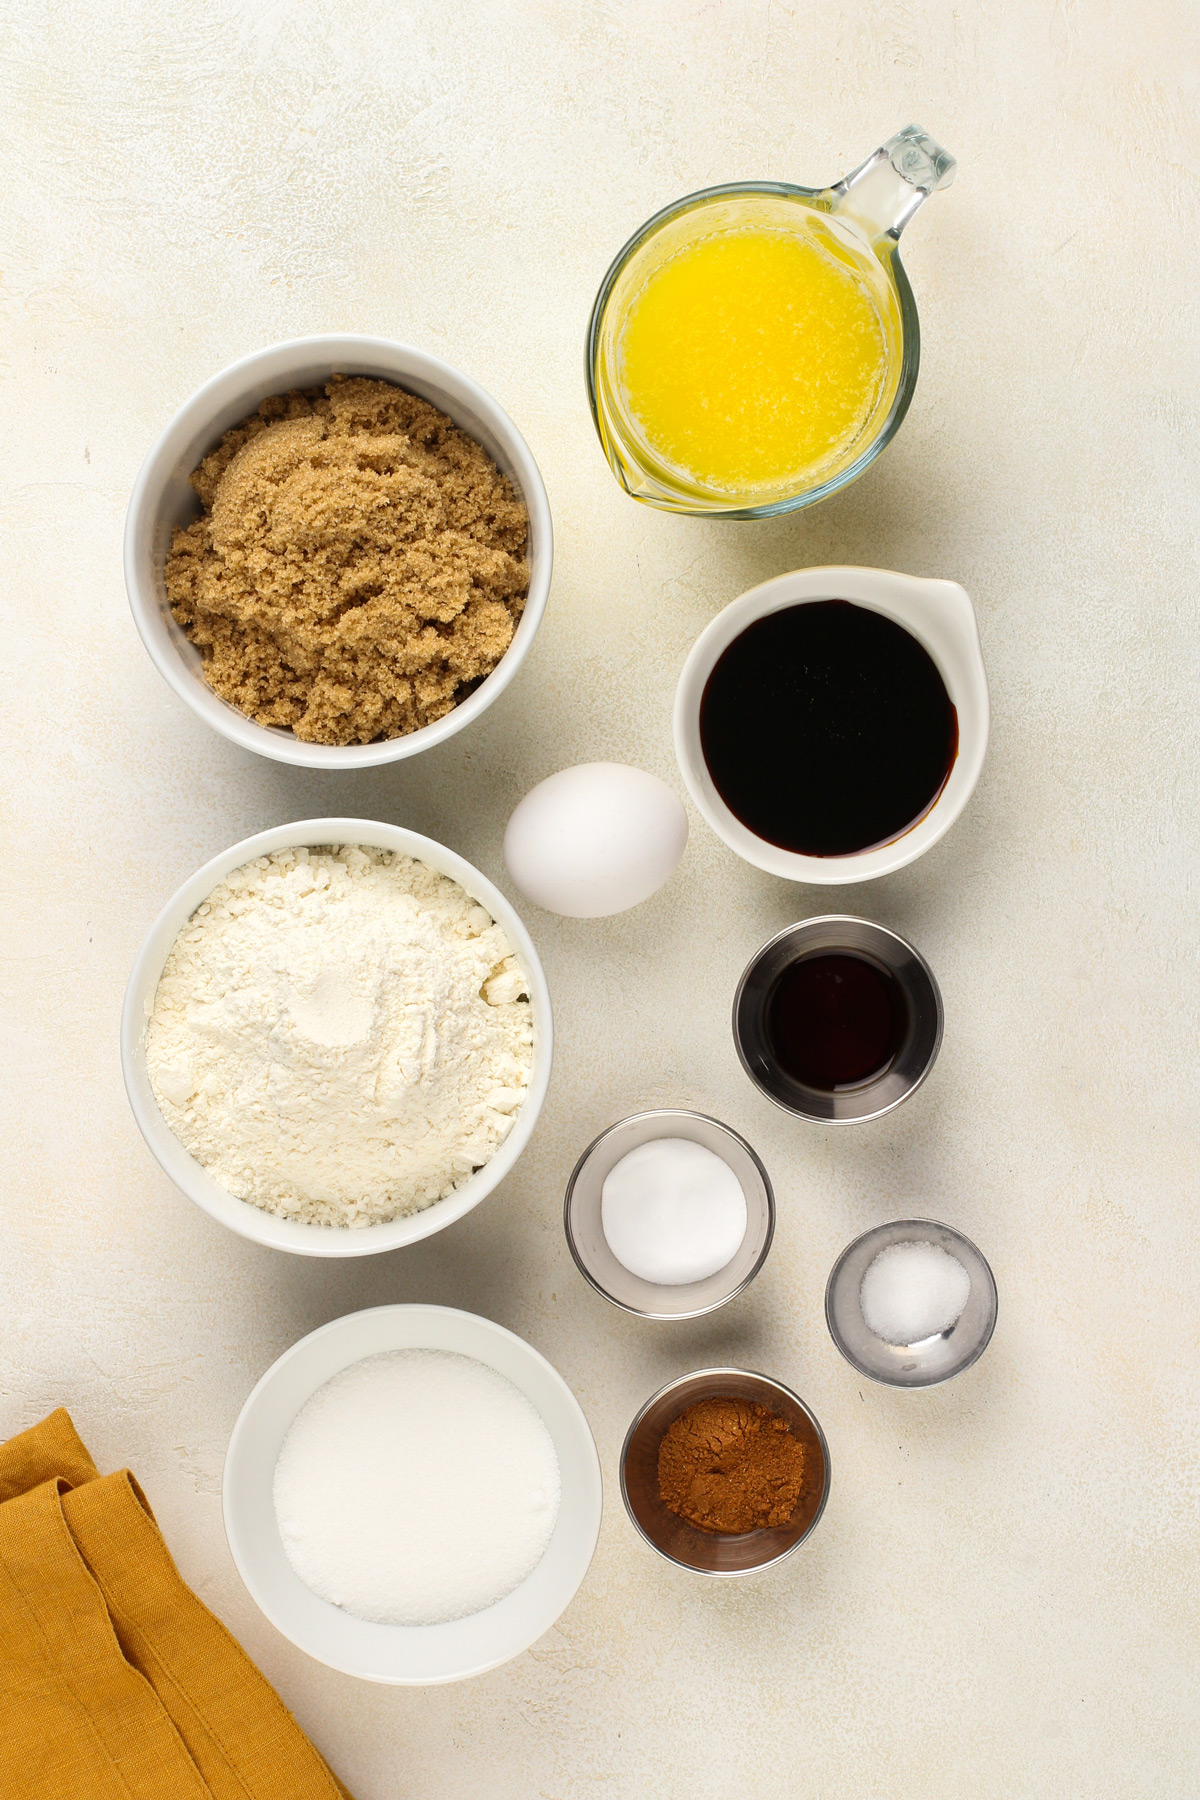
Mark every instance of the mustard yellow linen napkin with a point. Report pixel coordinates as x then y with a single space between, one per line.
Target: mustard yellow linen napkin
116 1683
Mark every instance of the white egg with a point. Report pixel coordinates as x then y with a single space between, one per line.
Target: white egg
595 839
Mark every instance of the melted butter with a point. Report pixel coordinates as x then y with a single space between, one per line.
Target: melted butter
755 359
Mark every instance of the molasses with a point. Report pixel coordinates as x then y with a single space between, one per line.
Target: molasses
827 728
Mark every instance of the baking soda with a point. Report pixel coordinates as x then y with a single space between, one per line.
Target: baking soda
672 1212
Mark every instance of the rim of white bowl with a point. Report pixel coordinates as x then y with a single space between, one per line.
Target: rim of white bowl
161 498
939 614
191 1178
383 1653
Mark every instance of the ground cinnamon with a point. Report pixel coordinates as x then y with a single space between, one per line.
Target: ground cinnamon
730 1466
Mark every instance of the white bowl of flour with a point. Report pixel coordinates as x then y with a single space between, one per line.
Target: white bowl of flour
347 1048
264 1495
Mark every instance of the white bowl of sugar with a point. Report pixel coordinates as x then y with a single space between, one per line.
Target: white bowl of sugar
255 1220
312 1482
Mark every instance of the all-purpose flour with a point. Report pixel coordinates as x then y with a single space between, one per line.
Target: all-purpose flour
340 1036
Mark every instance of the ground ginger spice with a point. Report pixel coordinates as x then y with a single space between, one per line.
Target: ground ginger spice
359 566
730 1466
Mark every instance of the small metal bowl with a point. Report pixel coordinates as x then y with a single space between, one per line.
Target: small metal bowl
585 1233
709 1552
936 1358
831 933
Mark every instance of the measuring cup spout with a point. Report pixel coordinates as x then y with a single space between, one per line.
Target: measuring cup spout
882 195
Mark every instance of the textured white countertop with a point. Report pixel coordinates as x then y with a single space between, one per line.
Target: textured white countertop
1001 1600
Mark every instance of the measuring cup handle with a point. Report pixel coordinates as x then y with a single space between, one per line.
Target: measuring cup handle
882 195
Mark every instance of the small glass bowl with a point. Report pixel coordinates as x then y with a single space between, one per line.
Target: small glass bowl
832 933
585 1233
934 1359
709 1552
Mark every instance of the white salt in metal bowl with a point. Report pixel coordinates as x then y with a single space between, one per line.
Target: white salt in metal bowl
196 1182
163 498
936 1358
408 1655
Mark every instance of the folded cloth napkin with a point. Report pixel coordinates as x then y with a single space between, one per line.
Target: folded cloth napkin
115 1682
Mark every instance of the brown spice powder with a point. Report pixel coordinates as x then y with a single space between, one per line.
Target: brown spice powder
730 1466
359 565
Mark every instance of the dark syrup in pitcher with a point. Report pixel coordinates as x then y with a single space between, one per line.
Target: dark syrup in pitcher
827 728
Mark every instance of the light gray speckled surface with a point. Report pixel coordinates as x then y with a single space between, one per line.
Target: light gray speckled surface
1002 1598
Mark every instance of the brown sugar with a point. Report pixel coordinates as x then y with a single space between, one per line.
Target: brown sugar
730 1466
358 568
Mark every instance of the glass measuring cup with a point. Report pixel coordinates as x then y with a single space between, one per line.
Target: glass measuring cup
856 225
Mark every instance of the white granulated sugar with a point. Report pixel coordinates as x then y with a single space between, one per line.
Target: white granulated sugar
340 1036
912 1291
416 1487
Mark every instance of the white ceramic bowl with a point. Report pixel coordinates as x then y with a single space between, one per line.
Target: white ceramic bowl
162 499
939 615
413 1655
251 1221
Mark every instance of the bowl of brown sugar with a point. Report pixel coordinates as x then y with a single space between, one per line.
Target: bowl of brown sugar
725 1471
338 552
